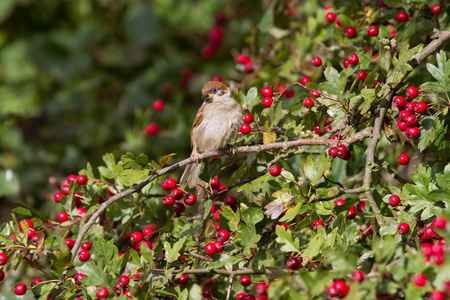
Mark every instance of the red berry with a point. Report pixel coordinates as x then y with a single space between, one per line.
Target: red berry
267 91
403 159
190 199
86 246
124 280
275 170
81 212
3 258
333 151
293 263
339 202
341 151
346 63
176 194
400 102
147 231
394 200
158 105
402 125
331 17
245 128
351 213
20 289
70 243
316 224
243 59
217 78
420 280
230 201
440 223
341 287
169 184
421 107
71 178
179 207
246 281
151 129
350 32
316 61
2 275
353 58
184 279
403 228
437 295
357 276
372 30
248 118
411 120
210 249
102 293
308 102
168 200
217 215
402 16
28 222
63 216
412 132
411 107
207 293
223 235
58 197
136 237
412 92
81 179
305 80
314 93
267 101
84 255
362 76
274 225
317 129
436 8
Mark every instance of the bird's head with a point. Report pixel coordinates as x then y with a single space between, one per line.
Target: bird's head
213 90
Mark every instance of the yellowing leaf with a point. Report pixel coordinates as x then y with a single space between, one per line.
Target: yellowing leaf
269 137
165 159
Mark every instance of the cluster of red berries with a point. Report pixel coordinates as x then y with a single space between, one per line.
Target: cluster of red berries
215 36
340 151
294 263
261 290
338 289
79 180
246 128
246 62
408 120
325 129
176 194
285 91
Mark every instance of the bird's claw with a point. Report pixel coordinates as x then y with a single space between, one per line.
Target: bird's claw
232 149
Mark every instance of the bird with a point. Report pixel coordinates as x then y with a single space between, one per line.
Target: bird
217 121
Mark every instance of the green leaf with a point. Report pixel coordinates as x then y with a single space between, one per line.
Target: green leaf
252 97
291 213
369 97
104 251
249 236
314 170
285 237
94 274
141 24
252 215
172 254
132 162
388 230
132 177
316 281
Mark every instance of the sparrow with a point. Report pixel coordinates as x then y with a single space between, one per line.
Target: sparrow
217 121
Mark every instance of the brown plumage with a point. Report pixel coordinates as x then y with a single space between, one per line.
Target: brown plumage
216 122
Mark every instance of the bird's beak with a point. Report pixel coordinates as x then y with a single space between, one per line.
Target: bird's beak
207 96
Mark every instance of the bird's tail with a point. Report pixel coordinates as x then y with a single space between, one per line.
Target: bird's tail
190 175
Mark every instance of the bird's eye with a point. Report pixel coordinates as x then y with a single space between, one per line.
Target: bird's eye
214 91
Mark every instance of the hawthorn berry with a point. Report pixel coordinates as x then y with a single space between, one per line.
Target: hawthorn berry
403 115
248 118
245 128
357 276
184 279
339 202
81 179
158 104
333 151
86 246
346 63
169 184
240 296
394 200
63 216
28 222
317 129
267 92
293 263
350 32
316 224
411 120
308 102
151 129
331 17
176 194
230 201
402 16
316 61
341 150
246 281
210 249
124 280
2 275
136 237
372 30
420 280
362 76
190 199
412 132
168 200
436 8
351 214
102 292
403 159
243 59
421 107
71 178
440 223
437 295
275 170
147 231
353 58
412 92
305 80
179 207
70 243
223 235
217 215
84 255
207 293
58 196
81 211
403 228
3 258
411 107
400 102
20 289
267 102
35 281
261 287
